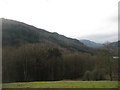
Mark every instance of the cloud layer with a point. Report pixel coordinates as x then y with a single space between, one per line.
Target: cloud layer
102 38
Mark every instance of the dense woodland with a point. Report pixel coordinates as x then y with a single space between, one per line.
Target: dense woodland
39 62
30 55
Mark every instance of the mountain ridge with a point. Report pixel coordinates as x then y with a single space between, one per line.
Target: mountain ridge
15 33
90 43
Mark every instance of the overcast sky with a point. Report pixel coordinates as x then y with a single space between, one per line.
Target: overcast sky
95 20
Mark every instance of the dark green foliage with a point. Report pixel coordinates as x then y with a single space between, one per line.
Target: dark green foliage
43 62
31 62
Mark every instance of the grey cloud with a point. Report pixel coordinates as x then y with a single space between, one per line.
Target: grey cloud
101 38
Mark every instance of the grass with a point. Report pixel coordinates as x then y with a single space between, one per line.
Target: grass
63 84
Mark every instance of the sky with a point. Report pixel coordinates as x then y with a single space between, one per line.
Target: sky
95 20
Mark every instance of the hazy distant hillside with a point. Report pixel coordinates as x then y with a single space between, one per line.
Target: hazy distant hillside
115 44
91 43
16 33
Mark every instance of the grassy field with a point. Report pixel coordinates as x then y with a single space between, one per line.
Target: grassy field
63 84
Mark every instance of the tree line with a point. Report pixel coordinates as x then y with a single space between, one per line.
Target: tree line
42 62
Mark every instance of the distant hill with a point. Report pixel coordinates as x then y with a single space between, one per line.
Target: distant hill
91 43
115 44
16 33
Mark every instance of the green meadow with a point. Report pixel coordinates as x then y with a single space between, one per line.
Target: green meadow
63 84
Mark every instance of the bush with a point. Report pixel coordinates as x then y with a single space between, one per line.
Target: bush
87 76
97 74
94 75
